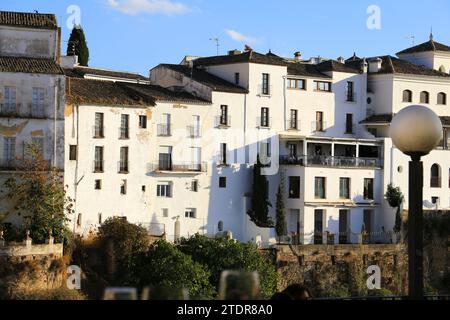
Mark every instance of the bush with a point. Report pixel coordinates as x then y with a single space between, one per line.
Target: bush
55 294
380 293
222 254
165 266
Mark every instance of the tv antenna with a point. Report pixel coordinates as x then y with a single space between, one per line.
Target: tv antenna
217 42
413 39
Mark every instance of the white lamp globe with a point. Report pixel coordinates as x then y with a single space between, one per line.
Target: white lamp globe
416 130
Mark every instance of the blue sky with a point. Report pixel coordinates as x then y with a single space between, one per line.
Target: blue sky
136 35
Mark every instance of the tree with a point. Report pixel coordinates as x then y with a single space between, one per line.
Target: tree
38 195
166 266
395 198
77 46
221 254
128 241
260 201
280 226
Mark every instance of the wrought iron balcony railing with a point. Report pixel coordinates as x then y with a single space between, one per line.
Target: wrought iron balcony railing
124 133
222 121
193 131
164 130
293 124
170 166
328 161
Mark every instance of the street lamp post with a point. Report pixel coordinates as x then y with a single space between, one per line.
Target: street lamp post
416 130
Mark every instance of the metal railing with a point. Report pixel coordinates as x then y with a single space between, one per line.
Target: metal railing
351 97
293 124
342 238
193 131
328 161
30 110
265 90
124 133
263 122
36 111
169 166
9 109
164 130
98 166
123 167
318 126
13 164
98 132
222 121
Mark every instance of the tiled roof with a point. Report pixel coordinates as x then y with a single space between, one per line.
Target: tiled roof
335 66
399 66
387 119
159 93
248 56
29 65
28 20
306 70
104 93
209 80
83 71
430 45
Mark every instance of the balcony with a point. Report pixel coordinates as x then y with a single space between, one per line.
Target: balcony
123 167
293 124
9 109
263 122
98 132
36 111
33 111
15 164
351 97
98 166
327 161
169 166
222 122
124 133
193 132
164 130
265 91
318 126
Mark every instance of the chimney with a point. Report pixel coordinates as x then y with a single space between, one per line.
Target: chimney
234 52
341 60
298 56
375 65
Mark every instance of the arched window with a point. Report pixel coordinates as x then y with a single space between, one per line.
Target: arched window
442 98
435 176
424 97
442 69
407 96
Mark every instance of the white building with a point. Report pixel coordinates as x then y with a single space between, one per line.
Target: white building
31 93
175 151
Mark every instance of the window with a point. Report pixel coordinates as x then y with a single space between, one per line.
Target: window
190 213
292 150
237 77
442 98
164 128
9 149
79 220
319 188
9 101
407 96
222 182
143 122
72 152
294 187
165 158
424 97
293 121
164 190
123 187
264 121
37 104
98 184
299 84
318 226
435 176
165 212
368 189
223 154
368 214
143 188
349 123
344 188
124 126
123 164
98 162
38 143
322 86
344 226
100 218
194 185
265 84
98 129
319 127
350 91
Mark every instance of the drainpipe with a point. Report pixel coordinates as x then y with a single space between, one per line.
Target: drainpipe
55 112
285 102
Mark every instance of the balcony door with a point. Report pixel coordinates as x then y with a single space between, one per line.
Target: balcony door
196 159
344 226
318 226
165 158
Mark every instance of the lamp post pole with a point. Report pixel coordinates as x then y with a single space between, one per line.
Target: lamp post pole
415 229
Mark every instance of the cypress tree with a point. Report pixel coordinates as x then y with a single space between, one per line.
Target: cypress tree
260 202
78 46
280 226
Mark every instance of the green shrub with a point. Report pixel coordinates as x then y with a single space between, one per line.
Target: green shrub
54 294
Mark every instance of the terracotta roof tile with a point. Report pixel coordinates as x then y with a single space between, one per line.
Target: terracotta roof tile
28 20
29 65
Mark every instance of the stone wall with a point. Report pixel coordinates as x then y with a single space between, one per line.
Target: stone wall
331 271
